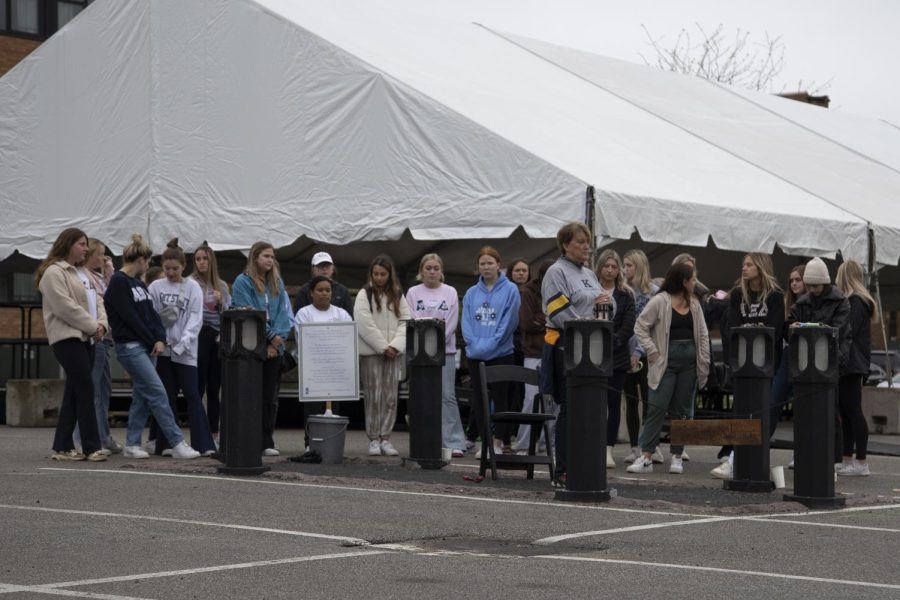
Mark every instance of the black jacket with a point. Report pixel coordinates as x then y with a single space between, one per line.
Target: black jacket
832 309
771 314
860 338
623 329
340 296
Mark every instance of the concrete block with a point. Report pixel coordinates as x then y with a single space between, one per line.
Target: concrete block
881 406
33 402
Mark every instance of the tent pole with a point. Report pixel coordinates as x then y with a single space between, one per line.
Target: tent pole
874 282
590 220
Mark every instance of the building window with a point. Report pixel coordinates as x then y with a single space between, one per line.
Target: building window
24 16
66 10
23 288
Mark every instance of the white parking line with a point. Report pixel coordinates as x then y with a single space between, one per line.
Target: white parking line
90 513
56 589
571 536
36 589
821 524
216 569
839 511
559 505
644 565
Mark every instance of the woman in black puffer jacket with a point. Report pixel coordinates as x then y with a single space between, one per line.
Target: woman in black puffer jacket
825 304
853 423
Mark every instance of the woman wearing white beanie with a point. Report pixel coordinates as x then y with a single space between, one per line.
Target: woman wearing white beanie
825 304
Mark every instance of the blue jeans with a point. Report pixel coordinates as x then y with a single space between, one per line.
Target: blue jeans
148 395
782 389
451 424
102 378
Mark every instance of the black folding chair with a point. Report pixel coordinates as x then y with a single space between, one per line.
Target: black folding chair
538 419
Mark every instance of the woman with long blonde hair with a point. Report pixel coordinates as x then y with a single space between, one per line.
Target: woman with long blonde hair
260 287
434 299
636 268
850 280
216 298
618 297
100 269
756 299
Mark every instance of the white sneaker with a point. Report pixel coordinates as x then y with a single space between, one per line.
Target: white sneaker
167 452
855 469
208 453
684 456
641 465
113 446
134 452
150 447
374 448
635 453
182 450
723 471
791 464
104 452
388 449
676 467
610 463
658 457
271 452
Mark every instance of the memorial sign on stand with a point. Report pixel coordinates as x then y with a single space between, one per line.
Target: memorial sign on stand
328 362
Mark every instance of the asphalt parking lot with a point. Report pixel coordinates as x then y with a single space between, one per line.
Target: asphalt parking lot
373 528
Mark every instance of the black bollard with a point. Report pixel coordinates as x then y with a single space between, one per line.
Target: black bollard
243 350
814 373
587 347
425 354
753 365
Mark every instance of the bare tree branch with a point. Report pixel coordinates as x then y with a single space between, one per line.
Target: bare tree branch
737 60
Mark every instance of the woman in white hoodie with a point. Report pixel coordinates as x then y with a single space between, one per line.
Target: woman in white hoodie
381 313
179 302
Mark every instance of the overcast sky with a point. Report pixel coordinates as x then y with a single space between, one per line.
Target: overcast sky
856 44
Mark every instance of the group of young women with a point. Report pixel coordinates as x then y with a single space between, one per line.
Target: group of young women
166 336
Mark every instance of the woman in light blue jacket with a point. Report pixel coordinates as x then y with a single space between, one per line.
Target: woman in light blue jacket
260 287
490 317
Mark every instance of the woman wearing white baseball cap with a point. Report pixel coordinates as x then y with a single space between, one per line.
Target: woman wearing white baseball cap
323 265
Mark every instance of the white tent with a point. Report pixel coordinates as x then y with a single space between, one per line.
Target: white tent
231 121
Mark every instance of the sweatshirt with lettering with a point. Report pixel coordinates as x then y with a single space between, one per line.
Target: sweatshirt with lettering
436 303
131 313
489 319
569 291
182 338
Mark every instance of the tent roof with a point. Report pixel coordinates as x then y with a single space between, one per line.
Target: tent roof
236 121
849 162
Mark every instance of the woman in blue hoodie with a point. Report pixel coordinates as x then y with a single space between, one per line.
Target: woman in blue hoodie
490 317
260 287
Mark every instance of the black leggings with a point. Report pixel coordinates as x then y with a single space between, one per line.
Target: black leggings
209 374
853 423
500 392
634 383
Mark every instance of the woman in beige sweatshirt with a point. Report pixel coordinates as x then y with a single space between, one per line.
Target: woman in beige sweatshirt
75 320
381 312
672 331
